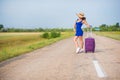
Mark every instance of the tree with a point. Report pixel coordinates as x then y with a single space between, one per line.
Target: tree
104 27
117 25
1 26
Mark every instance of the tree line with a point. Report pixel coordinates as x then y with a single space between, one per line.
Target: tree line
3 29
115 27
103 27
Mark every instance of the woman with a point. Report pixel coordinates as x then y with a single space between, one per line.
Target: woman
78 31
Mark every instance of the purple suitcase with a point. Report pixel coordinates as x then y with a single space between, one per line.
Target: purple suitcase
89 44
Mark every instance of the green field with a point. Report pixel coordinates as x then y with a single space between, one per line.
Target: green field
14 44
113 35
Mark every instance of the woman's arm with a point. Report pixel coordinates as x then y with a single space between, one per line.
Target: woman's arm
74 26
85 22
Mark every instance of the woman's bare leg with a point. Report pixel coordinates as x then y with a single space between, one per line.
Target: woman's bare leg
81 42
76 42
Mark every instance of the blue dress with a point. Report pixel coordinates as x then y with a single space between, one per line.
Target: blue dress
79 31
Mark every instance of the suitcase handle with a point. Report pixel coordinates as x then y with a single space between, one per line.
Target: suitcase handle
89 31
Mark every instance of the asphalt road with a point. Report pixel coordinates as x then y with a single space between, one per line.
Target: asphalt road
60 62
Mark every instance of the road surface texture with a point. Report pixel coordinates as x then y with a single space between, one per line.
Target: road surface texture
60 62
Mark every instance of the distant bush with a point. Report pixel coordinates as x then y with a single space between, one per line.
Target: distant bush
45 35
52 34
55 34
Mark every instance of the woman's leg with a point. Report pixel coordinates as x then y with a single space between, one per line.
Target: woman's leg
76 42
81 41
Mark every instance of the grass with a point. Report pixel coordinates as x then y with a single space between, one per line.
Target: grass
14 44
113 35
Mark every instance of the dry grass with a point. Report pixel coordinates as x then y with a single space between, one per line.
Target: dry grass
114 35
14 44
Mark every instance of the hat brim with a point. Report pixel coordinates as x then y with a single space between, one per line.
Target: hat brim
80 16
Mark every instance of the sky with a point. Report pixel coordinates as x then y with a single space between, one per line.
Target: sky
57 13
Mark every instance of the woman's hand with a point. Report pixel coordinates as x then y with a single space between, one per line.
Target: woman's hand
74 30
89 26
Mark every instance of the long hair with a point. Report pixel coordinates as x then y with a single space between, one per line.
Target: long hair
83 18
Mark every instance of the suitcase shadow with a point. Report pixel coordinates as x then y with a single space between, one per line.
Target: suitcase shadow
96 51
104 50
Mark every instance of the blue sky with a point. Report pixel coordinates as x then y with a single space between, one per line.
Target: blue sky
57 13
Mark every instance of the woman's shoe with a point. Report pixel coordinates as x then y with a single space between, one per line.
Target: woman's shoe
77 50
81 50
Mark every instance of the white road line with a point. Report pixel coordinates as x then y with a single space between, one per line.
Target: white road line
99 70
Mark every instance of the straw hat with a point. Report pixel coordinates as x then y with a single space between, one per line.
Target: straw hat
80 15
